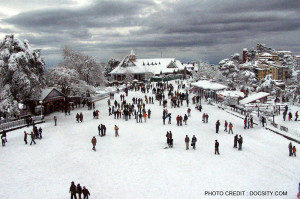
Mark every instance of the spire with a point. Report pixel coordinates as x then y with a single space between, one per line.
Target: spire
132 55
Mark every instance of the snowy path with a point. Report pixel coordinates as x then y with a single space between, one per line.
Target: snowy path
136 165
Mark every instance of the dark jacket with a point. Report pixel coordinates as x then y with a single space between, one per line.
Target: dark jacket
79 189
85 192
187 139
217 145
194 140
73 188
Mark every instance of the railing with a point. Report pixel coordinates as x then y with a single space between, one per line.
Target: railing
19 123
5 121
105 95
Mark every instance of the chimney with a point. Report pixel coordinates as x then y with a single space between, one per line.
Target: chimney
245 55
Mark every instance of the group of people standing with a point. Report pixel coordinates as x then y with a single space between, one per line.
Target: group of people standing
78 190
238 140
187 142
292 150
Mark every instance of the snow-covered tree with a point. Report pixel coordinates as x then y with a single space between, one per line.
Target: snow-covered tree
229 68
21 73
89 70
248 78
204 70
64 78
112 64
267 84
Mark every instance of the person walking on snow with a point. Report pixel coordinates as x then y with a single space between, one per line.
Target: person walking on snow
235 141
170 118
55 120
294 150
187 140
189 112
94 142
40 132
217 147
168 137
206 118
226 124
145 117
194 140
290 149
32 138
240 141
81 117
77 117
73 190
79 191
230 128
86 193
217 126
296 116
25 137
116 131
3 140
185 119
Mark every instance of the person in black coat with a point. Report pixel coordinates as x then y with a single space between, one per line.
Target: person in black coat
99 129
73 190
40 132
194 140
25 137
240 141
235 141
217 147
79 191
217 126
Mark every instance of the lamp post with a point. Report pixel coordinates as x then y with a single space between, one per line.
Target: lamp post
41 104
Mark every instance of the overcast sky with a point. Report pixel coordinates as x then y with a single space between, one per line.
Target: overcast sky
185 29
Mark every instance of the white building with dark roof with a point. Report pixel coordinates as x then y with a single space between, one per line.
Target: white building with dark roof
145 67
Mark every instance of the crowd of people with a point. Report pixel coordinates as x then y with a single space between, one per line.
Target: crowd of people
139 109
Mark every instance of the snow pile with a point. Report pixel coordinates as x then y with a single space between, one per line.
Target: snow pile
231 94
204 84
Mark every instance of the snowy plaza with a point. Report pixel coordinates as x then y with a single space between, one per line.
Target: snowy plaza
151 99
138 164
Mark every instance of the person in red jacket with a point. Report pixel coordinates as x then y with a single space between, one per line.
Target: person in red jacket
226 124
230 128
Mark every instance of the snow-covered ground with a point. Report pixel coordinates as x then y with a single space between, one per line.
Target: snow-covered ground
136 165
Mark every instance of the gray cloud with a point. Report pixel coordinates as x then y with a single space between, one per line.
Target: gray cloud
188 29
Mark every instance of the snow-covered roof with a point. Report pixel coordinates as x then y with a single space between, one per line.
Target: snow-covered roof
155 66
205 84
231 93
191 66
254 97
45 93
284 51
266 54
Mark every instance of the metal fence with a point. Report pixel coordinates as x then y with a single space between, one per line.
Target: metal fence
19 123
